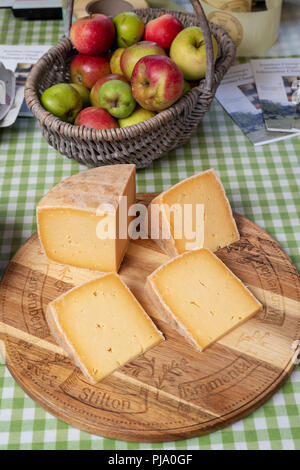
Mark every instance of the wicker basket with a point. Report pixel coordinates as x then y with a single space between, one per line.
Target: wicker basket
141 143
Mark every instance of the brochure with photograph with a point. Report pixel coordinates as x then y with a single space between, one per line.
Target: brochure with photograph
19 60
278 87
292 87
21 73
7 90
237 94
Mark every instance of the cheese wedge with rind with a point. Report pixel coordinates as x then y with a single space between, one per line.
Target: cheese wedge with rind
68 217
205 188
101 326
200 297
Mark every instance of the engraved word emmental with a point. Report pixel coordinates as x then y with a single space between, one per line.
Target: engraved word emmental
218 382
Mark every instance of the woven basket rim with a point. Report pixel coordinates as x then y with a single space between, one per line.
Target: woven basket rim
129 132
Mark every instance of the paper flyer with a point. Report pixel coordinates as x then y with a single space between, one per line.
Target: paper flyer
278 87
19 60
7 90
12 115
238 95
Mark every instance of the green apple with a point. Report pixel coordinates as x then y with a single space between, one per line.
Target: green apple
186 87
137 116
84 94
116 97
129 28
189 52
63 101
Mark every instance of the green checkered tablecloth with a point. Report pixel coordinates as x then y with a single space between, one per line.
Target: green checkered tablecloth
262 183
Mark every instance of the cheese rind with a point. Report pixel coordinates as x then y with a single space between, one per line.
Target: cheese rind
68 217
200 297
101 326
219 225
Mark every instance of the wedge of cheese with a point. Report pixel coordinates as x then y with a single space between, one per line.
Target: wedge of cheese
101 326
215 230
200 297
73 214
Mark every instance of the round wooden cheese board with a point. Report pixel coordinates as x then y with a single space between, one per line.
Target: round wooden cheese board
172 391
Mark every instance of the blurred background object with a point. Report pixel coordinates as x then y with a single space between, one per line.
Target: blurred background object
108 7
37 10
83 7
231 5
254 32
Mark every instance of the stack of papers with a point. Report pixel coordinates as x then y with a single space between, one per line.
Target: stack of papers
263 98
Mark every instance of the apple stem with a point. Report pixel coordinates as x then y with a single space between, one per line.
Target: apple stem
124 40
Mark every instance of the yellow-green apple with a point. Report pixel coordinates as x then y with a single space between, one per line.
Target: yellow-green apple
134 53
115 66
189 52
92 35
63 101
86 69
116 97
84 94
156 82
129 28
138 115
186 87
163 30
94 94
96 118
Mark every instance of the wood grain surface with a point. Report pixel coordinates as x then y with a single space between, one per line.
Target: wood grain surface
171 392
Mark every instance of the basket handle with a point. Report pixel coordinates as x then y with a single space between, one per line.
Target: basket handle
69 14
199 12
209 79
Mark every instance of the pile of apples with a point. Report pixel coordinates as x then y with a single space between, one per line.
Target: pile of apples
125 72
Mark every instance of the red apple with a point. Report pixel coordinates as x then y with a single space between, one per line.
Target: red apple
96 118
94 95
163 30
86 69
134 53
157 82
92 35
